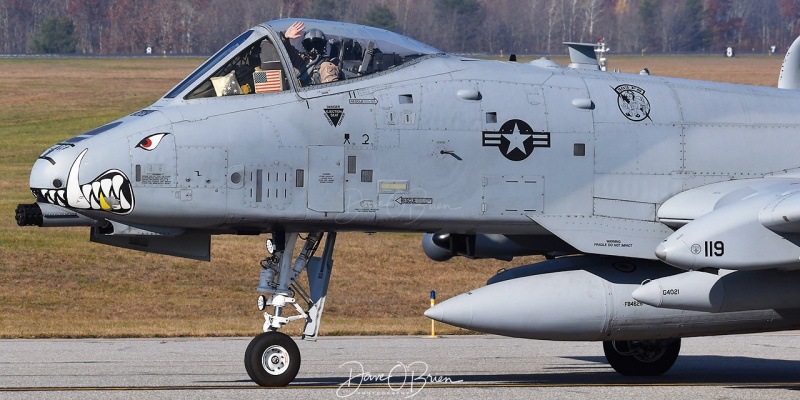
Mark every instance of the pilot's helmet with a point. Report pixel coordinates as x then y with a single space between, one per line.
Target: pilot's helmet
314 39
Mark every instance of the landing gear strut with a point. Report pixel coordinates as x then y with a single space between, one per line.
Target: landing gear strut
273 358
642 357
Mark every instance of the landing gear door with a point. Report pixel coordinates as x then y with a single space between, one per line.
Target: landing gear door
326 178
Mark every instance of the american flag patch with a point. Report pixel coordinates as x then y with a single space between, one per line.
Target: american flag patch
267 81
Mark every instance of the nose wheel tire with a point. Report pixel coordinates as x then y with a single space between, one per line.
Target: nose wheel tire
272 359
642 357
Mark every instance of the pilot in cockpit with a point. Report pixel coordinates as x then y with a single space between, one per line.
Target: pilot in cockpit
314 66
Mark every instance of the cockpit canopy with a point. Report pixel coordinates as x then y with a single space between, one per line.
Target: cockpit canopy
262 60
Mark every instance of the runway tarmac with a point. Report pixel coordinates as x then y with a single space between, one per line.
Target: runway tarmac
758 366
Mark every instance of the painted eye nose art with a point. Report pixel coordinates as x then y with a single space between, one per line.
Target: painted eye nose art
151 142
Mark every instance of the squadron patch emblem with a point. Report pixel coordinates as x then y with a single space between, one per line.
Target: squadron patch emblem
516 139
632 102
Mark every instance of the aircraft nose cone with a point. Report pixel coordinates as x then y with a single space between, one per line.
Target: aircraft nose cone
649 293
434 313
661 252
46 173
456 311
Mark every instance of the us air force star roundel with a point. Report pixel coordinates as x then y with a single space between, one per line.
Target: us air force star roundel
516 139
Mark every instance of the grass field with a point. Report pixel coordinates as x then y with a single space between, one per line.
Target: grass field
54 283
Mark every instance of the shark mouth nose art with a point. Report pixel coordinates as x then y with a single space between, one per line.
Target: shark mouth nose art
111 191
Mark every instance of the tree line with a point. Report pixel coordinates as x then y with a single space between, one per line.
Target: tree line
460 26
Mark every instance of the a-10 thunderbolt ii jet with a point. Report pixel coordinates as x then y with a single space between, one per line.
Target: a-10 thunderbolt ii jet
667 208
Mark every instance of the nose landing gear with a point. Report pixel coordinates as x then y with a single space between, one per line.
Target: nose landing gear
273 358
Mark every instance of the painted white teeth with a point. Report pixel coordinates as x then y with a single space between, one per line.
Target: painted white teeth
112 186
96 189
87 192
105 185
55 196
117 182
108 188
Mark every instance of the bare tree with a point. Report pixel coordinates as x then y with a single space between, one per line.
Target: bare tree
670 24
591 13
554 16
521 26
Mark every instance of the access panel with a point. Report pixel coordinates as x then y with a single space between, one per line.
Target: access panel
326 178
